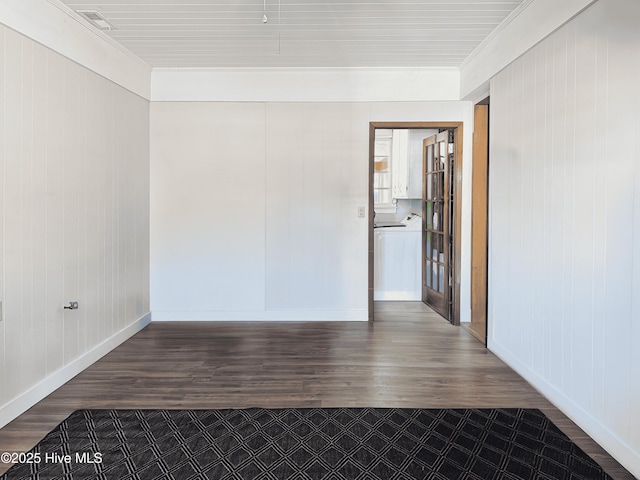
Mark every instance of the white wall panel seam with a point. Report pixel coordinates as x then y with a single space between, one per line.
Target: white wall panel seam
64 284
598 247
521 318
600 338
571 367
46 211
33 300
634 338
82 219
20 252
545 209
264 204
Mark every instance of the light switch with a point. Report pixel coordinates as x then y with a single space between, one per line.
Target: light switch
361 211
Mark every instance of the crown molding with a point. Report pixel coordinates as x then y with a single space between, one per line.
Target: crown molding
528 25
58 28
497 31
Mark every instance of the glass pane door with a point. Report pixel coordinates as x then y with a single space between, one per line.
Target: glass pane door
437 200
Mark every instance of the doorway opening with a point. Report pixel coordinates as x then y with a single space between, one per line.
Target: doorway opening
440 208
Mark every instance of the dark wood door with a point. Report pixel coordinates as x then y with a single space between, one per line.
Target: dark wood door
437 211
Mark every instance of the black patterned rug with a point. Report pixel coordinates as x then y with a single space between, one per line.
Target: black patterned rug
307 443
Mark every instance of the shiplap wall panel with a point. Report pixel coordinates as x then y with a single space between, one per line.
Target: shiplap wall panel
93 234
308 207
554 206
313 166
282 193
538 214
29 218
499 218
531 193
563 197
208 207
567 64
12 208
3 393
585 224
622 52
634 338
70 188
54 238
38 346
66 133
601 211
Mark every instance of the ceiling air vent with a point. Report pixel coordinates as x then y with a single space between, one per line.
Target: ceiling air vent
96 19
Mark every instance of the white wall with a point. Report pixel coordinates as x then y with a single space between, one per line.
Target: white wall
74 219
564 268
208 214
254 207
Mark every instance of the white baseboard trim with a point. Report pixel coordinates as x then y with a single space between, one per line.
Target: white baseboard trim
612 443
16 407
360 315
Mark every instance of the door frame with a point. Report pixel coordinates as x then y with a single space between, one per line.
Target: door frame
479 221
457 174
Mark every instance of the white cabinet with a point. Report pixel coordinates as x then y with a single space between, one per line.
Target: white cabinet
400 171
406 162
398 165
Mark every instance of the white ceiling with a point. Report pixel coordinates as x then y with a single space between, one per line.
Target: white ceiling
301 33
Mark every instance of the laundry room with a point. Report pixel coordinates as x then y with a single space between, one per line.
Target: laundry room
397 191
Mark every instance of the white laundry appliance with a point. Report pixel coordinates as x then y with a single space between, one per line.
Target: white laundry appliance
397 262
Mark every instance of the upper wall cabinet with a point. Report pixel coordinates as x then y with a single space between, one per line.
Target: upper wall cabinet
392 172
400 164
407 162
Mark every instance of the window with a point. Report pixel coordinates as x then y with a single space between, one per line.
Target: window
382 198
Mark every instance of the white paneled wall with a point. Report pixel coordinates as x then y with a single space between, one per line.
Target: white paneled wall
254 207
208 210
564 273
74 216
315 241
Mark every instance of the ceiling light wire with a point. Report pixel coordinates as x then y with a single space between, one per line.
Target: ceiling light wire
265 20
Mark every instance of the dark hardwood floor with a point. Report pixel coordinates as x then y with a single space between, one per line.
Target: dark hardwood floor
408 357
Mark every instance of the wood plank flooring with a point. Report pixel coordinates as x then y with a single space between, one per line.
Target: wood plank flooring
408 357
